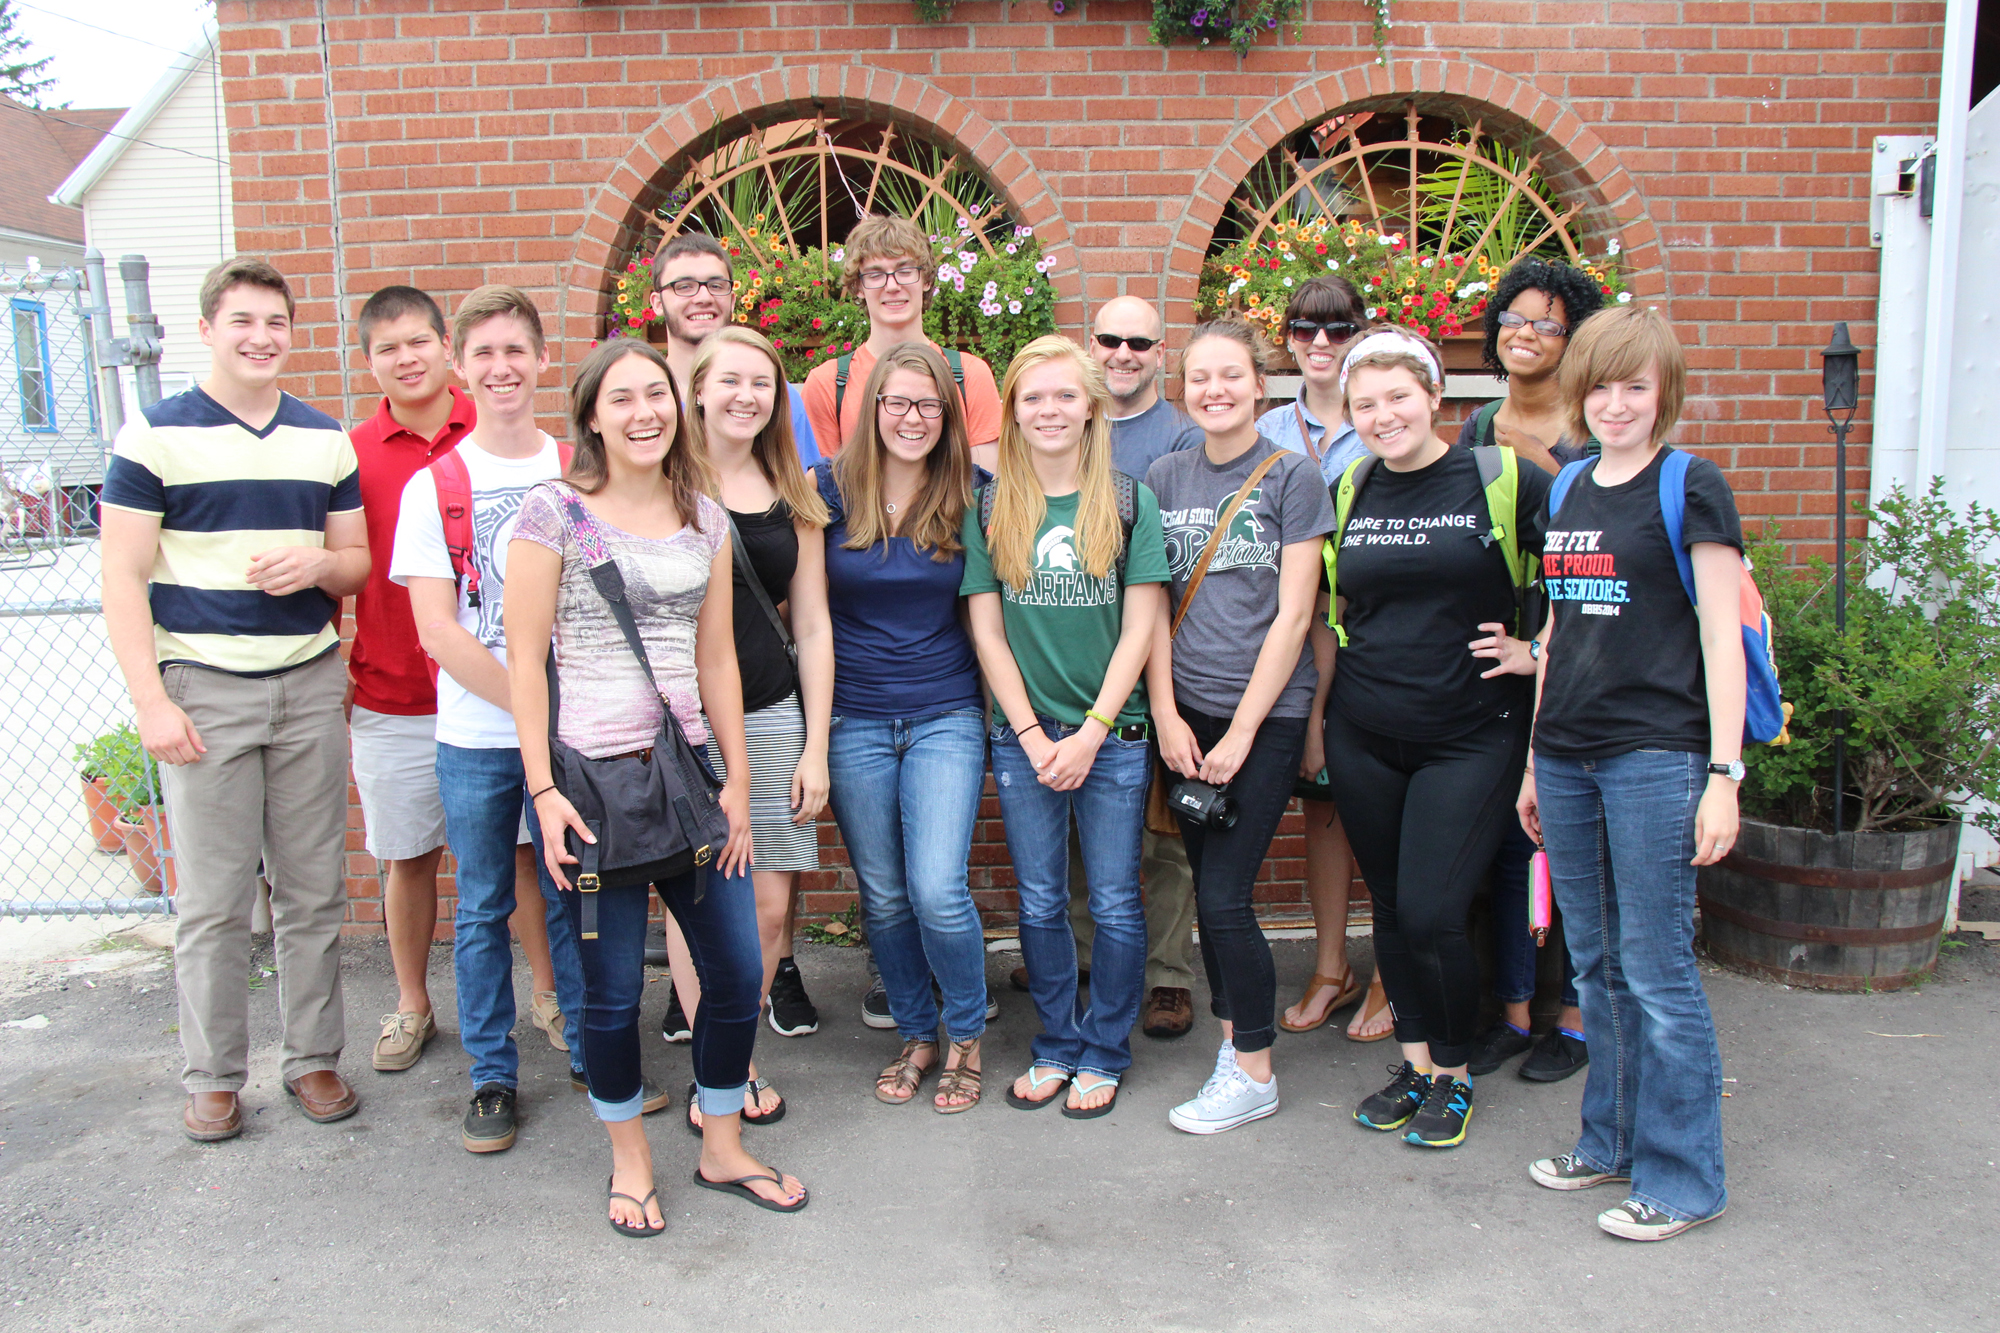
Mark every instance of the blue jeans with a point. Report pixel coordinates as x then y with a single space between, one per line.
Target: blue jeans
1620 834
906 795
1514 947
1110 810
483 795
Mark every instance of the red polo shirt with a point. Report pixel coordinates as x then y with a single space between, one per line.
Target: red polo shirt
386 662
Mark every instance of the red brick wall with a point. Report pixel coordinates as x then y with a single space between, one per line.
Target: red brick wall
1725 144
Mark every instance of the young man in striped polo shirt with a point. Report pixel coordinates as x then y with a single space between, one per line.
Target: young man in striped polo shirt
232 527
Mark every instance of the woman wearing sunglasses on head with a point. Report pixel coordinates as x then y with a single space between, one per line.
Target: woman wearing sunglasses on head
1322 320
907 748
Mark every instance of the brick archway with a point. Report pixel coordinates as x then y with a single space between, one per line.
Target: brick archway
617 213
1577 161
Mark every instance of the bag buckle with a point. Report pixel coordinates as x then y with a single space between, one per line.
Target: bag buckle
702 855
587 884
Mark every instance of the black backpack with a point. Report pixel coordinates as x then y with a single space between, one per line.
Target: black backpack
1122 487
840 374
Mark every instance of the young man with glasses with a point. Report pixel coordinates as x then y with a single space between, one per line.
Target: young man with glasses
1324 316
889 266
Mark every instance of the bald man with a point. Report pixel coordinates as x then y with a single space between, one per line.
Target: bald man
1127 339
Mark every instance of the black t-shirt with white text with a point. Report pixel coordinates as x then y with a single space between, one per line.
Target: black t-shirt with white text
1420 575
1625 669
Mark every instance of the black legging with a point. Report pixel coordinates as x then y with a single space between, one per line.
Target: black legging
1424 819
1242 986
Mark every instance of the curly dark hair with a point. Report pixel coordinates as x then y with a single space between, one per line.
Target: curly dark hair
1580 296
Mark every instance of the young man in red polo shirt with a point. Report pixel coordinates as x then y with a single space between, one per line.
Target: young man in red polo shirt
888 264
393 714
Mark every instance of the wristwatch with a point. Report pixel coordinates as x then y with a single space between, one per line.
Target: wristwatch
1534 650
1733 770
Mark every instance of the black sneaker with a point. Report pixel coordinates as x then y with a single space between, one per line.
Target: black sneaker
674 1025
1392 1107
1440 1122
875 1007
489 1122
1556 1057
792 1013
654 1097
1496 1046
992 1000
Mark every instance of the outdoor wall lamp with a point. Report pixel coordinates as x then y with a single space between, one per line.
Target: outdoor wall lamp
1840 381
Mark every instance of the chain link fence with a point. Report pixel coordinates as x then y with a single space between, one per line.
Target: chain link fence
84 829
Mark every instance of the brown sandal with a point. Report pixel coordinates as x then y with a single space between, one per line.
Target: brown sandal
1364 1015
904 1075
958 1082
1345 996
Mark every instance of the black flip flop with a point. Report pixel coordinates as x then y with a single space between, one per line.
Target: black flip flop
1020 1103
756 1085
737 1187
1091 1113
624 1229
770 1117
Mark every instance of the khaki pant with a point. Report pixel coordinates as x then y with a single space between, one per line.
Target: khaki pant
1168 884
272 787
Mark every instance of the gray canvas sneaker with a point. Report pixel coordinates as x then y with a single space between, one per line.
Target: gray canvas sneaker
1229 1098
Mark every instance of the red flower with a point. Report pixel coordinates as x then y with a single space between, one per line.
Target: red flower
847 347
1320 248
1607 291
778 342
1458 260
632 322
816 324
734 251
631 268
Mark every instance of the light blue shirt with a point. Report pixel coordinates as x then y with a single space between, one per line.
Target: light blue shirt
1282 426
802 429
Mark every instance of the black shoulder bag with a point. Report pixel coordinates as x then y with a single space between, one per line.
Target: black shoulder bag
742 558
654 812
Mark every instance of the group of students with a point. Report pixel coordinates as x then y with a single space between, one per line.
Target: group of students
1109 603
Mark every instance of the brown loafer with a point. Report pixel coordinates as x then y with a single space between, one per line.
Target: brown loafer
324 1096
1169 1012
211 1117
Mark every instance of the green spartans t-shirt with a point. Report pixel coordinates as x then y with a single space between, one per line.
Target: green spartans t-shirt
1064 626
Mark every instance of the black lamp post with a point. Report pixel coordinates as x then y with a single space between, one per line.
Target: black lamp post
1841 382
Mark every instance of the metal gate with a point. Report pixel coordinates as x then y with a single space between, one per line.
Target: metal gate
82 826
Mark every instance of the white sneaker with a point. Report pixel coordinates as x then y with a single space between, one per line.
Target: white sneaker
1230 1098
1632 1220
1225 1060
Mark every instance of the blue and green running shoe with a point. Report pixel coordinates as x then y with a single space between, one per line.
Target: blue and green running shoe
1440 1122
1392 1107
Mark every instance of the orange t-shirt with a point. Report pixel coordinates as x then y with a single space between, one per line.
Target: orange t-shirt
982 400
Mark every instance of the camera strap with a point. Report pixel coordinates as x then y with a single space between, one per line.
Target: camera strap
1222 522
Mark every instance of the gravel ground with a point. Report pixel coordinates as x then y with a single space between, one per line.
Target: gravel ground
1860 1145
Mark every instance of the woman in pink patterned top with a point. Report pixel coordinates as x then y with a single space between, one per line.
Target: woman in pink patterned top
634 487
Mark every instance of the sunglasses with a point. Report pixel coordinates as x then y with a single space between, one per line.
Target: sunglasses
1111 342
1306 330
1548 328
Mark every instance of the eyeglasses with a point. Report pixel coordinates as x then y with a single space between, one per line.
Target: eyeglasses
1548 328
930 409
1111 342
876 278
1307 330
686 287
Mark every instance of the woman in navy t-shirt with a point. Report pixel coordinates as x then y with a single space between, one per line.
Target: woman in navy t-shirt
907 749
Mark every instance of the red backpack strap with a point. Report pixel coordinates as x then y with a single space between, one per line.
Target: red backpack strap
565 452
454 499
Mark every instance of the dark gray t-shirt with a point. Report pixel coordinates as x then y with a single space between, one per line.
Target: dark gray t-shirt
1217 648
1137 441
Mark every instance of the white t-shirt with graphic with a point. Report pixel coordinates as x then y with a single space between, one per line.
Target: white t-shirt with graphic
498 487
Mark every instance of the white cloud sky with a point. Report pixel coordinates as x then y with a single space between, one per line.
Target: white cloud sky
95 67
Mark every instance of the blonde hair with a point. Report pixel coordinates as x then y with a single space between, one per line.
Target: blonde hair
777 457
1623 342
491 301
886 237
937 512
1018 503
1243 335
1429 377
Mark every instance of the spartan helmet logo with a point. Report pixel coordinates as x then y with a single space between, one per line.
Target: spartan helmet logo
1245 525
1054 550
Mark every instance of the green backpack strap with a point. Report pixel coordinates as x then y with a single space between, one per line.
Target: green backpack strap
1482 422
840 368
957 364
1500 478
1346 490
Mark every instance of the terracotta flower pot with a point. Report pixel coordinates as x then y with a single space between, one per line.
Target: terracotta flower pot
137 840
101 814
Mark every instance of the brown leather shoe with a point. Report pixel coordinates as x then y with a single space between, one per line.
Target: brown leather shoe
324 1096
1169 1012
211 1117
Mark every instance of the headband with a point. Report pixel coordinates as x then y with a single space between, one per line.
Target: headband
1389 340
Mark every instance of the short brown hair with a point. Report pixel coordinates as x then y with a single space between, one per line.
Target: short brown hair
889 237
243 271
489 302
1623 342
685 244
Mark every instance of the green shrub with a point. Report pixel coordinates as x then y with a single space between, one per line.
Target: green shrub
1917 673
131 781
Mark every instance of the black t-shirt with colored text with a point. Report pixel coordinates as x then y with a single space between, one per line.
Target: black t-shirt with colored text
1625 669
1420 574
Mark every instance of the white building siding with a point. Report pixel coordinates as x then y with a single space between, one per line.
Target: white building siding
167 198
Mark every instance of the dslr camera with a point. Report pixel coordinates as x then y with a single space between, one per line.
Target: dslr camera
1207 805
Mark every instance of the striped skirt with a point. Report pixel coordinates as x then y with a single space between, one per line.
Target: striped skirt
775 737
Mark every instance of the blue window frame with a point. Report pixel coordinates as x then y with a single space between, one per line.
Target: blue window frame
34 373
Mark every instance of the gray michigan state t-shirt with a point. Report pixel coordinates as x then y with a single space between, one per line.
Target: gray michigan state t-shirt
1137 440
1217 648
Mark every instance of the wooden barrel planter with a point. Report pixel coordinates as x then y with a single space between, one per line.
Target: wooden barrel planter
1850 912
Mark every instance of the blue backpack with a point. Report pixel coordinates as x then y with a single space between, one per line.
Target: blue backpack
1764 710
